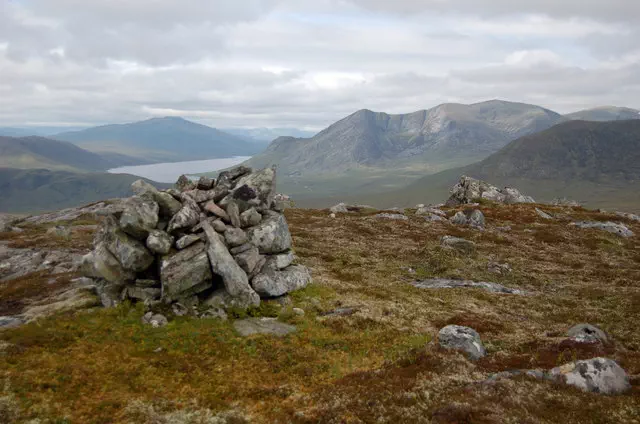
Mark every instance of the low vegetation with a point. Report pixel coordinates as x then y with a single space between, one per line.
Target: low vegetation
375 361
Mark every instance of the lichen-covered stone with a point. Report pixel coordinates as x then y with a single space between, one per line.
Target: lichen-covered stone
185 273
271 235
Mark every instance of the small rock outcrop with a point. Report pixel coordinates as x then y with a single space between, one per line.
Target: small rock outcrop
598 375
392 216
610 227
464 339
469 190
215 241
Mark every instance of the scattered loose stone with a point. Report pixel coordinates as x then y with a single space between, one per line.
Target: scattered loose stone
587 333
332 215
598 375
498 268
542 214
465 339
154 320
432 217
10 322
297 311
457 243
611 227
629 216
459 218
429 210
392 216
443 283
251 326
342 312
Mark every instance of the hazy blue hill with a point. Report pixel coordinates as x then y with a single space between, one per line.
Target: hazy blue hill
267 134
605 113
36 190
162 139
39 152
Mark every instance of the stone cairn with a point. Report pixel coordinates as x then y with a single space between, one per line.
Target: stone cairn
210 245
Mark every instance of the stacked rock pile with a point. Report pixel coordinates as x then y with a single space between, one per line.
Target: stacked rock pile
219 243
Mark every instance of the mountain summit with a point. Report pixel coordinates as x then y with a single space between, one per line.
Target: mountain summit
462 133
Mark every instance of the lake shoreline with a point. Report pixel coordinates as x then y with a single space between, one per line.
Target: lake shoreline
168 172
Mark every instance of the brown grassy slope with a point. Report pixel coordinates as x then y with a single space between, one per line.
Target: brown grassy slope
372 366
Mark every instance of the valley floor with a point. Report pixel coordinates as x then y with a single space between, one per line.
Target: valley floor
364 351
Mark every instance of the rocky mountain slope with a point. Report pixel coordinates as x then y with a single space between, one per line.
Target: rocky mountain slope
407 319
38 152
161 139
370 139
605 113
594 162
34 190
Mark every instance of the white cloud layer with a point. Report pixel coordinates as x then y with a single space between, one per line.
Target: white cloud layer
286 63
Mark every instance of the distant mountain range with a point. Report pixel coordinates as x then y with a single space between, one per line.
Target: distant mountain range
40 152
40 190
167 139
263 135
597 163
605 113
372 151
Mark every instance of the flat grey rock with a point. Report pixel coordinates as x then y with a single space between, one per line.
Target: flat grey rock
185 273
611 227
392 216
444 283
10 322
251 326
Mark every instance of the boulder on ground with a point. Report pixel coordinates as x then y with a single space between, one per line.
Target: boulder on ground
154 320
598 375
472 217
587 333
464 339
273 283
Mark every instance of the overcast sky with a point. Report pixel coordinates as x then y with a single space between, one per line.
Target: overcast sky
275 63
